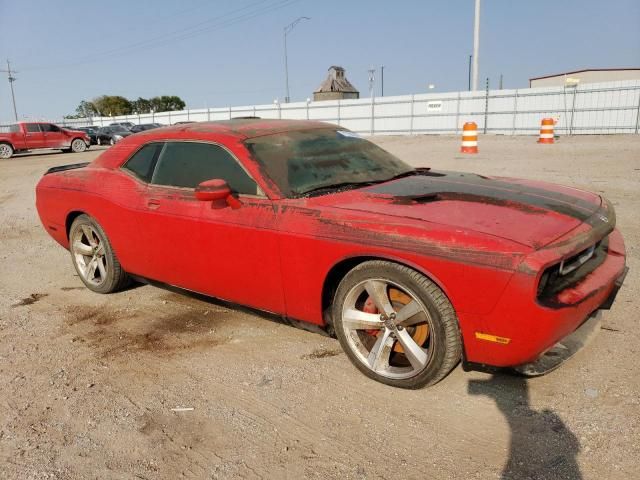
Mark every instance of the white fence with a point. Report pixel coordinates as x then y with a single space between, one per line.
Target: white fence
611 107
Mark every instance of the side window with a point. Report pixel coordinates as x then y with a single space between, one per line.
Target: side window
186 164
48 127
33 128
142 162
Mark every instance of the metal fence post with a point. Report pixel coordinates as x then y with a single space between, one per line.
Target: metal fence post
486 105
573 109
515 113
638 112
411 115
229 113
208 114
254 110
457 129
373 106
339 112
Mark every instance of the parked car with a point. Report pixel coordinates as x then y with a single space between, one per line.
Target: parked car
92 132
23 136
127 125
111 135
413 269
184 122
145 126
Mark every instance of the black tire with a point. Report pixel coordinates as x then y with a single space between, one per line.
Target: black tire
6 151
443 344
115 278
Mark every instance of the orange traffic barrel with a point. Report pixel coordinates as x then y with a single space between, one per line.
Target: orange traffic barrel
546 131
469 138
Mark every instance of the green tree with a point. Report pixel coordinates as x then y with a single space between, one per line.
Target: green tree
141 105
167 103
112 105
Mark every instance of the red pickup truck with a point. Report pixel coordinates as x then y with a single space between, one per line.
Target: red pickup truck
23 136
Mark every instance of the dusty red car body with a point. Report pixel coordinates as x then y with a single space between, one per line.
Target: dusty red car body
21 138
286 255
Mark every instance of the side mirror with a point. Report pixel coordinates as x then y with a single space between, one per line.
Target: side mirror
211 190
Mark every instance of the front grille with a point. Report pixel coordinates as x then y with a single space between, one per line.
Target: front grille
571 271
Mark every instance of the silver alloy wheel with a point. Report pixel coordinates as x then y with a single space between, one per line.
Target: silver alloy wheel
385 342
98 141
89 255
78 146
5 151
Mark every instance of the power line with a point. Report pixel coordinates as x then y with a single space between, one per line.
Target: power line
177 35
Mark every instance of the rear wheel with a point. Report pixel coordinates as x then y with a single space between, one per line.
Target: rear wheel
112 141
93 258
78 145
395 325
6 151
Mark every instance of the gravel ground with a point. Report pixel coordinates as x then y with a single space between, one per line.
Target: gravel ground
88 383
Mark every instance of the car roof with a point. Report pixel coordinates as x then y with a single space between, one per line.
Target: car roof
245 128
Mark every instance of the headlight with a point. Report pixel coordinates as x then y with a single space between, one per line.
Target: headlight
117 138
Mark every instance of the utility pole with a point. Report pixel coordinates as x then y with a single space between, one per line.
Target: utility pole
11 79
288 30
500 82
382 80
476 45
469 72
372 78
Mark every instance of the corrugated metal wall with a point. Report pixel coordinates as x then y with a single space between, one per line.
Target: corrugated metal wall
611 107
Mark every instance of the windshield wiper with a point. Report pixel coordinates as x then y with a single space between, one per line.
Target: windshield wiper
410 173
334 187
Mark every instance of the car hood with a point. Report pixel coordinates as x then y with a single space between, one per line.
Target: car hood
528 212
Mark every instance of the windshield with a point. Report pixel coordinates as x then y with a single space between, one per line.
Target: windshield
119 129
306 160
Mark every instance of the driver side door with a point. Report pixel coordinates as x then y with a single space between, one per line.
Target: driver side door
210 247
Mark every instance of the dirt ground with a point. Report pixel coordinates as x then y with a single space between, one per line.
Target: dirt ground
88 382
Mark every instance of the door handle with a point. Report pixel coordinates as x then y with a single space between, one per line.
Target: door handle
153 204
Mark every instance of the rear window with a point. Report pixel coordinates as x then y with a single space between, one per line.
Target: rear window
10 128
143 161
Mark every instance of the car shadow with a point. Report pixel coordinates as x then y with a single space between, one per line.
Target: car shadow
309 327
541 445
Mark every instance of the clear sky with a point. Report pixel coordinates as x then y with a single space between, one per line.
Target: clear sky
230 52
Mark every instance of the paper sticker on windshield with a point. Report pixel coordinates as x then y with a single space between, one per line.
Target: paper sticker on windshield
347 133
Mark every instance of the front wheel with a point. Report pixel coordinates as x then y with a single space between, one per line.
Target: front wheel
6 151
395 325
93 258
78 145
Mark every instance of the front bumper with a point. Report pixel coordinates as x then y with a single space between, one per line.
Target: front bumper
572 343
532 328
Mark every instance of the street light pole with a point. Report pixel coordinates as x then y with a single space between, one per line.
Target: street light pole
476 45
288 30
11 79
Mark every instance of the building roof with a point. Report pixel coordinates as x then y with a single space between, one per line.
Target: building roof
336 82
583 70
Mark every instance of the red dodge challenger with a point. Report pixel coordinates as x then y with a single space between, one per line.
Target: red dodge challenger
413 269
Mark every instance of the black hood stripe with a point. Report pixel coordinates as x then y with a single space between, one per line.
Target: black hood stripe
475 188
